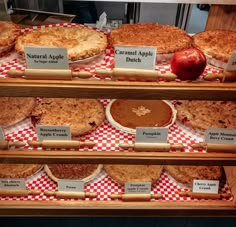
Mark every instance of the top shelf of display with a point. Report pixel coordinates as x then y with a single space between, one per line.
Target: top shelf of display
220 2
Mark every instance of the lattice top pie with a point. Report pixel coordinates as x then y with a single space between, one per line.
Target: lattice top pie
81 42
8 33
166 38
217 43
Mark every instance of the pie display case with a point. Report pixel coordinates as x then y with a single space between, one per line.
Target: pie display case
106 149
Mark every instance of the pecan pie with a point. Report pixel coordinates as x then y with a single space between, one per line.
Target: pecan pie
18 170
82 115
217 43
85 172
200 115
81 42
15 109
166 38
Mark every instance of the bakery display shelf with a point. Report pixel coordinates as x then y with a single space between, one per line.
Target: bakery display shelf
118 89
105 157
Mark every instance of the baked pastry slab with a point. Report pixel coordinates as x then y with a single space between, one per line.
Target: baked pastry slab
186 174
201 115
84 172
127 114
82 115
15 109
81 42
217 43
166 38
18 170
134 173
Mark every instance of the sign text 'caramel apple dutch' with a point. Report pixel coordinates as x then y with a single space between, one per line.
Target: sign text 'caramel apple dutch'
206 186
231 65
70 185
138 187
46 58
52 132
12 184
220 136
2 136
135 57
151 135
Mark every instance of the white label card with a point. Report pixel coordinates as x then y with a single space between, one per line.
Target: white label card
206 186
151 135
46 58
231 65
220 136
70 185
135 57
138 187
12 184
52 132
2 135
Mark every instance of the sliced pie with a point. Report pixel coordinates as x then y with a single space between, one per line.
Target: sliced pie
15 109
217 43
80 42
200 115
134 173
166 38
186 174
85 172
18 170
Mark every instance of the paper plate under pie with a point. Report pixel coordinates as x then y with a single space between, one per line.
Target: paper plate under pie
126 115
84 172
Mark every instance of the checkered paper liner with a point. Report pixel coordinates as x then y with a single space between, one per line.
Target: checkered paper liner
106 136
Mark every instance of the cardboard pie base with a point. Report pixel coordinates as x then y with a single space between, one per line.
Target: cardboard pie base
131 130
86 179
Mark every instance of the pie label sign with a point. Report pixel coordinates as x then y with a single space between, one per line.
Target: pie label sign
138 187
52 132
151 135
12 184
135 57
70 186
2 136
231 65
206 186
220 136
46 58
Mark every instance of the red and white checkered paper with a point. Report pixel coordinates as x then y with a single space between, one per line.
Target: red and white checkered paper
107 137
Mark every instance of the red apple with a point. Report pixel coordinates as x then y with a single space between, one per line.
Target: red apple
188 64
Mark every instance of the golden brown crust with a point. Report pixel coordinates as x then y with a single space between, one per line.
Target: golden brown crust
18 170
8 33
82 115
186 174
81 42
166 38
83 172
134 173
200 115
217 43
15 109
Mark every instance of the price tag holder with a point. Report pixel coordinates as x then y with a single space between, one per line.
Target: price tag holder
2 135
46 58
206 186
220 136
151 135
231 65
70 186
135 57
12 184
138 187
52 132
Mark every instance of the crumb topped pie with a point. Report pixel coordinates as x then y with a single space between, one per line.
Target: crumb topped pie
8 34
217 43
81 42
166 38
